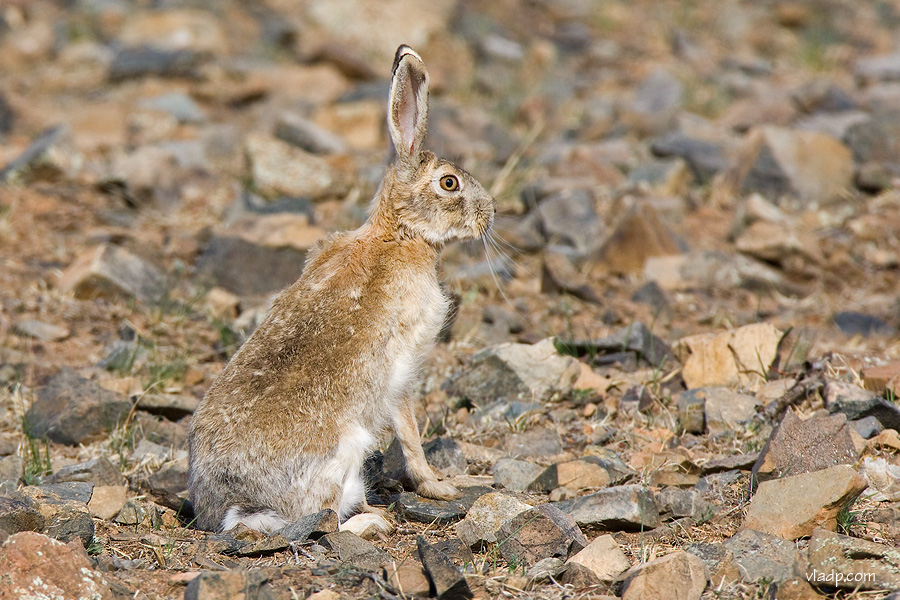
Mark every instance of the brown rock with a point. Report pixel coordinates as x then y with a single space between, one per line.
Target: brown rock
574 474
34 566
742 356
638 236
107 501
883 377
184 29
112 271
846 562
541 532
486 515
795 589
279 168
797 446
603 557
408 578
360 123
792 507
677 576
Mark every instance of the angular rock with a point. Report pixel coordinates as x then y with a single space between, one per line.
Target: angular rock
704 158
603 557
132 513
846 562
135 62
797 446
665 177
719 560
812 167
760 556
538 533
883 479
73 410
351 548
16 516
635 337
110 271
583 473
64 520
169 484
859 403
447 581
713 271
307 135
791 507
279 168
413 507
485 517
780 244
742 356
267 545
656 101
794 589
311 526
215 585
726 409
676 503
538 442
639 236
79 491
445 455
533 372
571 218
680 575
107 501
408 578
247 268
692 411
98 471
579 577
881 378
34 566
39 330
625 506
744 462
34 154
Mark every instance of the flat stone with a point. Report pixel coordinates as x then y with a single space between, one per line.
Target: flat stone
867 427
534 372
884 377
98 471
169 485
625 506
739 357
307 135
132 513
12 468
708 270
16 516
639 236
485 517
34 566
666 177
796 446
791 507
544 569
559 275
179 105
795 589
352 549
79 491
134 62
583 473
107 501
852 322
841 561
780 243
538 442
425 510
447 581
882 67
603 557
859 403
72 410
656 101
268 545
538 533
40 330
679 575
175 29
311 526
675 503
171 406
220 585
810 166
744 462
579 577
761 556
280 168
109 271
726 409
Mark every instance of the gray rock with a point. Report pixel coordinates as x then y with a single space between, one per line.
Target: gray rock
268 545
220 585
719 561
584 473
852 322
539 442
311 526
171 406
867 427
16 515
875 140
110 271
132 513
64 519
145 61
797 446
352 549
425 510
743 462
12 468
98 471
545 569
246 268
445 455
659 578
7 116
303 133
73 410
832 555
39 330
692 411
885 67
715 270
636 338
726 409
179 105
626 507
34 153
279 168
656 101
77 491
675 503
704 158
570 218
760 556
169 485
533 372
485 517
858 403
447 581
538 533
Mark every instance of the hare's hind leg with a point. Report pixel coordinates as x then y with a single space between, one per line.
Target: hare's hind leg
417 467
369 523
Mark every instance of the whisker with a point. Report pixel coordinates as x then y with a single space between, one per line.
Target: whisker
490 262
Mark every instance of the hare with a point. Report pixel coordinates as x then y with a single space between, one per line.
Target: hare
284 430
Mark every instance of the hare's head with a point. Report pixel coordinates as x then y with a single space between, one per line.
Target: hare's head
429 196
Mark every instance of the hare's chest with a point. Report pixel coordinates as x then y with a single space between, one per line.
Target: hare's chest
415 330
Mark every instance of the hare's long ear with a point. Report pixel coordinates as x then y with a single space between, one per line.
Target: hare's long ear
408 108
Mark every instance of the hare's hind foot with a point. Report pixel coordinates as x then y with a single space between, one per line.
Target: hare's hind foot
267 521
368 525
437 490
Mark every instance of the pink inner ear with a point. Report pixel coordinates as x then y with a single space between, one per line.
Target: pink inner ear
407 118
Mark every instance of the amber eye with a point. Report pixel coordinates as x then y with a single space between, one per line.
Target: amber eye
449 183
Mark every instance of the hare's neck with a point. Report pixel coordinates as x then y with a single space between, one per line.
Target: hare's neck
384 225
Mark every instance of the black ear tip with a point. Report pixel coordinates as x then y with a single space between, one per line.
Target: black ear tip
402 51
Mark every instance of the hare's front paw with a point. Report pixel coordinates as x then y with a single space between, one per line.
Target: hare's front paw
438 490
367 525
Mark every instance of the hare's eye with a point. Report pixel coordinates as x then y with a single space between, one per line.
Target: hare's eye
449 183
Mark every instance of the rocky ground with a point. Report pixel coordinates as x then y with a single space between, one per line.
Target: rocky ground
673 369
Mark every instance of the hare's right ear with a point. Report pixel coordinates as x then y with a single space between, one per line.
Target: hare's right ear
408 108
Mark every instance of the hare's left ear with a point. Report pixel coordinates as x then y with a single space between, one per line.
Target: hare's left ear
408 107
